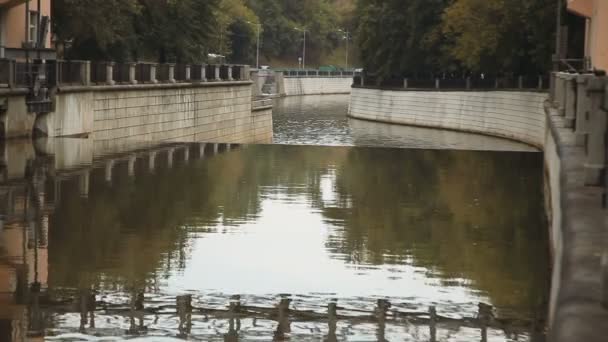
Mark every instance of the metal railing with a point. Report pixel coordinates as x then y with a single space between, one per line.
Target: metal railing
317 73
478 82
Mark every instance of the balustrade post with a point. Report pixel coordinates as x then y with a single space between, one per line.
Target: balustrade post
11 73
216 70
132 68
552 87
436 83
203 73
229 72
110 73
520 82
496 83
85 72
187 73
362 80
570 100
595 164
153 68
171 67
468 83
540 82
405 83
560 94
583 105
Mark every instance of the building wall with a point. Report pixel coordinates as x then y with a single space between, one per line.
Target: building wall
295 86
209 112
597 44
515 115
14 23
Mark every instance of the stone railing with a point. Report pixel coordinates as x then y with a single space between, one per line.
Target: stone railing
582 99
86 73
318 73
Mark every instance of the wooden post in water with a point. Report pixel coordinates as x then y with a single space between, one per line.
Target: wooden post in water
283 319
483 317
332 320
381 309
184 312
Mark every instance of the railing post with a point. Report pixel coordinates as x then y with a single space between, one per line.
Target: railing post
405 83
110 73
132 68
552 77
520 82
560 94
583 105
436 83
153 78
362 80
203 73
171 67
187 77
85 72
595 164
570 105
540 82
229 72
12 65
246 70
496 83
216 70
468 83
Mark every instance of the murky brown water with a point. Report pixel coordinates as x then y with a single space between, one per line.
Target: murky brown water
271 242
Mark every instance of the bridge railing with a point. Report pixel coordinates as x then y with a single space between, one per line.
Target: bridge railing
478 82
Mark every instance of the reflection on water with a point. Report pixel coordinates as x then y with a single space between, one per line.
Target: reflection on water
322 120
238 243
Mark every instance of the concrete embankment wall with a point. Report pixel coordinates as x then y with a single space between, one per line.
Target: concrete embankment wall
577 219
295 86
513 115
212 112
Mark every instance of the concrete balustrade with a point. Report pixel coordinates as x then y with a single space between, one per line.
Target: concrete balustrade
583 106
595 165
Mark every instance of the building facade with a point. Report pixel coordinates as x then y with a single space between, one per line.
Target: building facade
25 23
596 30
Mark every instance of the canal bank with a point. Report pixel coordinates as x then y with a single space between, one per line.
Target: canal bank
573 199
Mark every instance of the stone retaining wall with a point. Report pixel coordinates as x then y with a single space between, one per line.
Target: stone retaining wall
295 86
212 112
509 114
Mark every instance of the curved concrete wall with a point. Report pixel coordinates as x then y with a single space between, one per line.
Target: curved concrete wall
295 86
514 115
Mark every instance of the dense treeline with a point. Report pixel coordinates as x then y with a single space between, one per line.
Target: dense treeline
189 30
398 37
392 37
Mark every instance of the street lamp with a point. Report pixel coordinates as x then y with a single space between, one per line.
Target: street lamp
257 49
347 37
304 47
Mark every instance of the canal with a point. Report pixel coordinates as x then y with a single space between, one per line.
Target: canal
414 235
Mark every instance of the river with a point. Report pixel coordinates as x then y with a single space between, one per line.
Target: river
409 233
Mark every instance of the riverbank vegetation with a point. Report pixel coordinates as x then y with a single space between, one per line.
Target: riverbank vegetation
390 37
398 37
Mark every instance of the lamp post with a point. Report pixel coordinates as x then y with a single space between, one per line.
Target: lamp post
347 37
304 46
257 49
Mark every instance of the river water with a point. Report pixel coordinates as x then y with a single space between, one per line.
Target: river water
409 234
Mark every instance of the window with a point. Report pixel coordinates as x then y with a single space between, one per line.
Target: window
33 33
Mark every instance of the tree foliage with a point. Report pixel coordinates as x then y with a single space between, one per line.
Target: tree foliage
399 37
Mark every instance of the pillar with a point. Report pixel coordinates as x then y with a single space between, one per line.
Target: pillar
108 173
132 78
110 73
171 73
216 69
188 71
595 164
85 72
583 105
570 100
83 183
153 73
